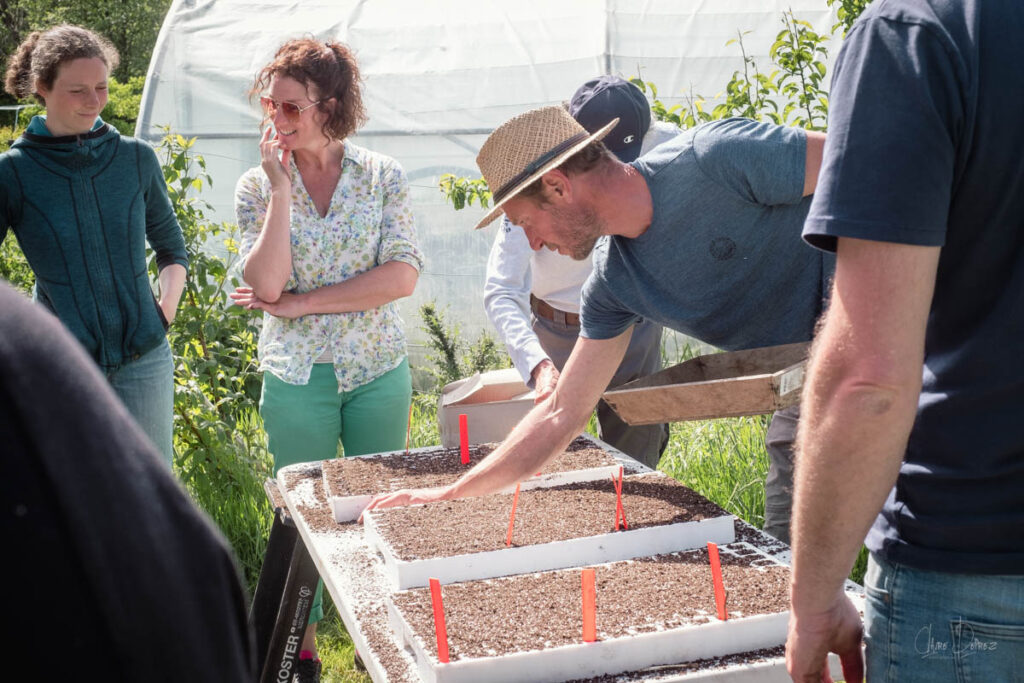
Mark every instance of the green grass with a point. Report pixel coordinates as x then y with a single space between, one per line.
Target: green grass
725 460
335 649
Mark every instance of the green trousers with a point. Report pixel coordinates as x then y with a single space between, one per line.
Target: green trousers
306 422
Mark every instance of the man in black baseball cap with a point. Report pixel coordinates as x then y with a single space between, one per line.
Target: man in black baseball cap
602 99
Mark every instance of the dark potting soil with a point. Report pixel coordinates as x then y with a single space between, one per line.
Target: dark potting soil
473 525
542 611
383 473
375 627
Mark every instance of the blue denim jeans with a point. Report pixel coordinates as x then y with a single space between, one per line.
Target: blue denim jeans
932 626
146 388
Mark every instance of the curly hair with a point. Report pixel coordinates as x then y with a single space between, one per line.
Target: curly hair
329 67
41 55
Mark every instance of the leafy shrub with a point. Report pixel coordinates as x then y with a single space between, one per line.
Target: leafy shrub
453 359
220 446
123 104
13 266
790 94
462 192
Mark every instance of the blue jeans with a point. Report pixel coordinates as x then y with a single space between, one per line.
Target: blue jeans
932 626
146 388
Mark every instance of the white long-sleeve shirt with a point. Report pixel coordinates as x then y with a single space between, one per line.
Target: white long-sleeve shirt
514 271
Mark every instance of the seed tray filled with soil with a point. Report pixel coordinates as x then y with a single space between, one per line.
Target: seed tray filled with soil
350 483
562 526
650 611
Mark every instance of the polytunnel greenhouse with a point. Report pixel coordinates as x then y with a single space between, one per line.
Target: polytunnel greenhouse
439 76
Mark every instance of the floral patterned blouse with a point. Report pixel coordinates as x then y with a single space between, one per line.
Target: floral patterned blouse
369 222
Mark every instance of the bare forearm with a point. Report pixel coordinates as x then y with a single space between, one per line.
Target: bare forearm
372 289
269 264
172 284
852 438
858 408
551 425
543 433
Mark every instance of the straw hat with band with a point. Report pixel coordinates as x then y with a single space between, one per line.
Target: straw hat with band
526 147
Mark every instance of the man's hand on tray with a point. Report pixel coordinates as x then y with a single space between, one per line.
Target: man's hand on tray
407 497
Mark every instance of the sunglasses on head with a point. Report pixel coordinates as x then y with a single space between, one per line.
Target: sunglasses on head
291 111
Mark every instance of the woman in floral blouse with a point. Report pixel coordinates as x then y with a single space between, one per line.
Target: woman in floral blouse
328 246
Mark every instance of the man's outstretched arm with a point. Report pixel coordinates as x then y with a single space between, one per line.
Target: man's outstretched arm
543 433
858 408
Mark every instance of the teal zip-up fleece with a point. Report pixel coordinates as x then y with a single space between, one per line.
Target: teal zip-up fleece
82 208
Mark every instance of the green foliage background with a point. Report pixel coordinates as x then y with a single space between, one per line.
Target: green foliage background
131 25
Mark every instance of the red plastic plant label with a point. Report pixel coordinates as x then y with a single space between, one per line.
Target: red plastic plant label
464 437
589 606
512 517
439 627
620 511
716 578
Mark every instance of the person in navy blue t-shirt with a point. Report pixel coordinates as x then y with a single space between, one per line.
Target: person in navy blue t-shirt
916 385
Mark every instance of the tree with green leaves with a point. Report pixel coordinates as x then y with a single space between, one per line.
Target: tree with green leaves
131 26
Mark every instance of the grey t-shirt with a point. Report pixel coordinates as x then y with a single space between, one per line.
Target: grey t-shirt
722 259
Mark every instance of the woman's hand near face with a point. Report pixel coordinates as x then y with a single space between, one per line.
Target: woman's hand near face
274 160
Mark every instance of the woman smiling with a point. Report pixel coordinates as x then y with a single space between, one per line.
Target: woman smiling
328 246
83 201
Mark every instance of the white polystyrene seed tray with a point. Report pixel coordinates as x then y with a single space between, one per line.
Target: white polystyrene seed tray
348 508
714 638
574 552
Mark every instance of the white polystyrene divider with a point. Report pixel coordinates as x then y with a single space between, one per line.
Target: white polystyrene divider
714 638
348 508
603 657
574 552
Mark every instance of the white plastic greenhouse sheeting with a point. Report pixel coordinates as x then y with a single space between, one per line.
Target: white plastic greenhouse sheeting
439 76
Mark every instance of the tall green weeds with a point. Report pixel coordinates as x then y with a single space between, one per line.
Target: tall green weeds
220 446
725 460
452 358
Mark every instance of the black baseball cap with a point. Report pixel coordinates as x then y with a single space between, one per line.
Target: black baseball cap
602 99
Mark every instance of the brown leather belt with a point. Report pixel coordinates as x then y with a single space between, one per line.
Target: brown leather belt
543 309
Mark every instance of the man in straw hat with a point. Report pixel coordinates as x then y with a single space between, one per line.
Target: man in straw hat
703 236
533 297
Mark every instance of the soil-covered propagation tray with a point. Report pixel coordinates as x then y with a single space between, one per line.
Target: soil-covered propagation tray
649 611
562 526
354 574
350 483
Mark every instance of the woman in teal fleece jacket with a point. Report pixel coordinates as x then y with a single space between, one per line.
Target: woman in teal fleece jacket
83 201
